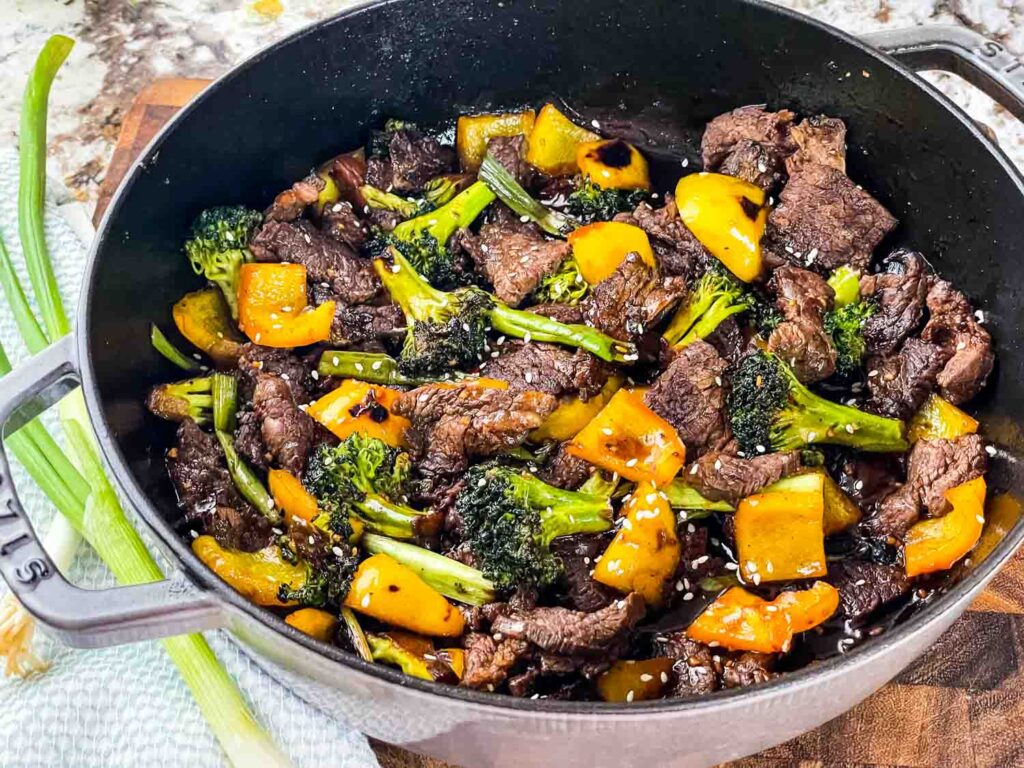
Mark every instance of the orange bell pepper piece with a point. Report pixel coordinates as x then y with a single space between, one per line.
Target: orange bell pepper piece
939 419
204 319
630 439
600 247
553 142
936 544
356 406
272 307
472 132
639 680
573 414
728 216
780 535
613 164
390 592
314 622
644 554
741 621
257 576
291 496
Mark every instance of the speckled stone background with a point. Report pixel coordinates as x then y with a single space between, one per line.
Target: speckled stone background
123 45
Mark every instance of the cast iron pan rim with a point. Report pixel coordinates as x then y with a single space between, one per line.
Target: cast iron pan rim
786 685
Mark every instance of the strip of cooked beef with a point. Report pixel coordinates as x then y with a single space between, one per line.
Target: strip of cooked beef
803 297
867 478
865 587
754 163
566 632
723 134
694 672
362 323
689 394
249 439
488 661
723 476
548 368
901 383
515 256
563 313
825 221
340 221
819 140
748 669
695 561
953 326
326 260
934 467
563 470
510 151
288 432
578 554
413 160
898 292
677 250
630 302
732 340
290 204
256 360
451 424
198 469
349 174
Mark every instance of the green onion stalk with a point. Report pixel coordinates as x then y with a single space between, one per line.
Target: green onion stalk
99 518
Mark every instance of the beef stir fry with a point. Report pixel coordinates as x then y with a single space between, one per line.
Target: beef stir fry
504 416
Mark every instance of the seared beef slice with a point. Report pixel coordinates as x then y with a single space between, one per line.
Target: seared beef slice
803 298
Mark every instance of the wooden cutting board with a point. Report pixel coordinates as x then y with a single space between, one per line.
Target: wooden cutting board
957 707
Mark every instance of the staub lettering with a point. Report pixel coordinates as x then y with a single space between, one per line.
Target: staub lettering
32 571
12 545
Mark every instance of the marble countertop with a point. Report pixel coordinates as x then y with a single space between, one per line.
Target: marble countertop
123 45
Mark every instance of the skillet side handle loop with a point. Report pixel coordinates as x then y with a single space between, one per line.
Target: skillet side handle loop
984 63
79 617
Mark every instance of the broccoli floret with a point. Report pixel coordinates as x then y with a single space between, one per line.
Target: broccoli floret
449 577
448 330
218 246
563 286
328 578
771 410
510 519
440 190
845 281
716 296
590 203
423 239
389 201
845 326
181 400
763 314
365 477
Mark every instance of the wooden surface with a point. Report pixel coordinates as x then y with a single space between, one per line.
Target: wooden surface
957 707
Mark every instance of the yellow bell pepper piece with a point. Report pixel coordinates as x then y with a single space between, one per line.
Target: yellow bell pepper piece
272 307
630 439
780 535
1002 514
613 164
204 319
472 132
257 576
314 622
728 216
291 496
553 142
741 621
388 591
640 680
574 414
356 406
939 419
600 247
644 554
936 544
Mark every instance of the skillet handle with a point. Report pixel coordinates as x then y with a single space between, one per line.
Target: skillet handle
984 63
79 617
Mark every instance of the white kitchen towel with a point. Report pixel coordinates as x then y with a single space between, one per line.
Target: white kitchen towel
126 706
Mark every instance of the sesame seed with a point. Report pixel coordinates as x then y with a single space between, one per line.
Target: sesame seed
395 268
731 566
607 431
335 360
961 346
680 586
526 337
664 677
685 162
529 377
688 597
337 552
693 469
359 367
629 696
718 381
850 428
760 448
980 519
365 602
756 578
990 450
631 463
811 436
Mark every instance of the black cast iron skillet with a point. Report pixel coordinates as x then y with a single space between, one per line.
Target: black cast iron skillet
666 67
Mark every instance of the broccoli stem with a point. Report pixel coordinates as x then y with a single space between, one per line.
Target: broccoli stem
503 184
408 288
374 367
388 201
225 402
529 325
458 212
565 512
164 346
721 309
812 419
686 317
451 578
388 518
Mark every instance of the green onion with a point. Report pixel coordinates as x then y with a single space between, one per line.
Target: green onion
101 519
374 367
509 191
356 635
164 346
682 496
